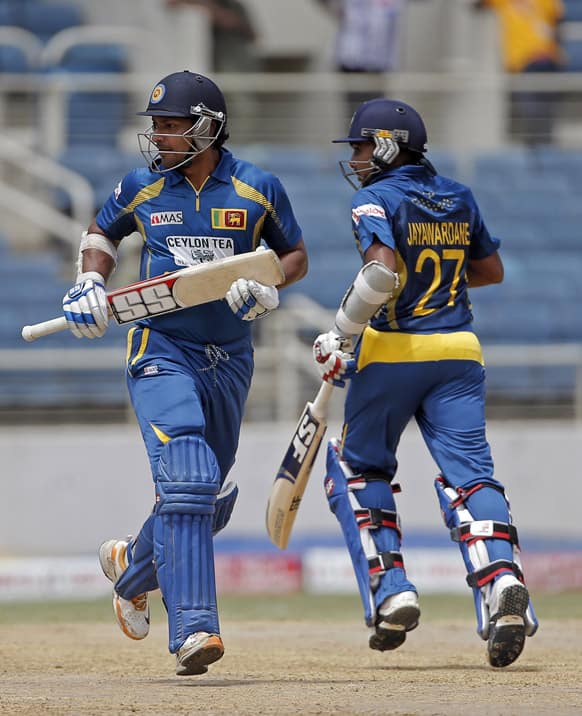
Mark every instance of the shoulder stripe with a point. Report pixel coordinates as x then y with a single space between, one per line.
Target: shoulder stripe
148 192
249 192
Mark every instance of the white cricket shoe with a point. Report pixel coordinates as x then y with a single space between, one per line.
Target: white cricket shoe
508 603
199 650
398 614
133 615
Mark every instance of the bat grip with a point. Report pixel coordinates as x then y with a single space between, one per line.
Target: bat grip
319 405
37 330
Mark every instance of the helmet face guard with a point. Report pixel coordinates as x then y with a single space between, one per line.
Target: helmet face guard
391 125
207 126
185 95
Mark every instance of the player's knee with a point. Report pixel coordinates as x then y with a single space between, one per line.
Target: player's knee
188 477
224 506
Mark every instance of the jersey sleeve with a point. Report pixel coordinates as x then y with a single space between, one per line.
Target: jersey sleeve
482 243
371 219
280 229
116 218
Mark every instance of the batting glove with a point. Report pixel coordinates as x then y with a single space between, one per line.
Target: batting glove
250 299
85 306
334 364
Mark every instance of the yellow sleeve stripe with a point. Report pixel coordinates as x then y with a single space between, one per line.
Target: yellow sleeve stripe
148 192
386 347
249 192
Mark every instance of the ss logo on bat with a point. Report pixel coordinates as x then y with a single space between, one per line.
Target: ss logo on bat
149 301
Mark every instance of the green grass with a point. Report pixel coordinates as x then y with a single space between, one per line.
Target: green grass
567 605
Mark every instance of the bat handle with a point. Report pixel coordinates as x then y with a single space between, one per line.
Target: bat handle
37 330
319 405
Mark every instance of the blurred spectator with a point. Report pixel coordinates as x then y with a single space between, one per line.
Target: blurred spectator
233 34
530 43
367 40
233 50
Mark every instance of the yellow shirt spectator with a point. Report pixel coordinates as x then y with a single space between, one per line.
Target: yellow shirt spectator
528 31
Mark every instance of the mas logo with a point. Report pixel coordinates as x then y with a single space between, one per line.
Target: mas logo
163 218
229 219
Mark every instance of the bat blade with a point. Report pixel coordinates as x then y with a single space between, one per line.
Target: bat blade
293 474
192 286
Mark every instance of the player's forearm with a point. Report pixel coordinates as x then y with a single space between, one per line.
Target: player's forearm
294 264
484 272
99 261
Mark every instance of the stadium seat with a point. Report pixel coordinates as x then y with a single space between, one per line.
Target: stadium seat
572 11
47 19
573 52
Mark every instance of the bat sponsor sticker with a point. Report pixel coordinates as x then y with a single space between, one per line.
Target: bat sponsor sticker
299 447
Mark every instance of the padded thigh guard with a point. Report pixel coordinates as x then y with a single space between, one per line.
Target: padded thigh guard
187 483
490 547
372 534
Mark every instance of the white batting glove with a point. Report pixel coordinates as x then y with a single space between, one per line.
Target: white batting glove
334 364
85 306
250 299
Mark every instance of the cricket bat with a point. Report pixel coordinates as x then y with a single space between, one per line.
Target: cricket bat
293 475
190 286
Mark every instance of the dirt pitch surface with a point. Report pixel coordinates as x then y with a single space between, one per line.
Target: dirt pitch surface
287 667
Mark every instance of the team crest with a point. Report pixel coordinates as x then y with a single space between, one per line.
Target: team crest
229 219
158 94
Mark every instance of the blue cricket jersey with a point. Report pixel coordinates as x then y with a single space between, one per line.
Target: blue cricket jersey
434 226
238 205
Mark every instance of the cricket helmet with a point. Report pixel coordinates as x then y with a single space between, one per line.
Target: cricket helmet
189 95
390 116
391 125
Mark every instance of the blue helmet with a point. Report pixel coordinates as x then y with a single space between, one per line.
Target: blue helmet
390 125
192 96
181 93
390 116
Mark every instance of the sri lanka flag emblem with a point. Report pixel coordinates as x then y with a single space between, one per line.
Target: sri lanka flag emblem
229 219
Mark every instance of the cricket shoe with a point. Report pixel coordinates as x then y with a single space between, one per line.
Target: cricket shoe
133 615
199 650
508 604
398 614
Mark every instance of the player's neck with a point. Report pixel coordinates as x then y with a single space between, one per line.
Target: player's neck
201 167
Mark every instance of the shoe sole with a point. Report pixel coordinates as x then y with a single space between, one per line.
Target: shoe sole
197 663
391 637
507 637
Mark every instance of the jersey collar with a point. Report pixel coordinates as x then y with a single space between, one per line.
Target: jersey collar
411 170
222 172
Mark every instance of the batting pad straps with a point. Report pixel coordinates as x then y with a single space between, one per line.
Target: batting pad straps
488 573
370 290
372 518
484 529
384 561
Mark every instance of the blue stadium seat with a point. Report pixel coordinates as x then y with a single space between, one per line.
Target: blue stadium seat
14 59
445 163
330 273
573 52
102 57
47 19
572 11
